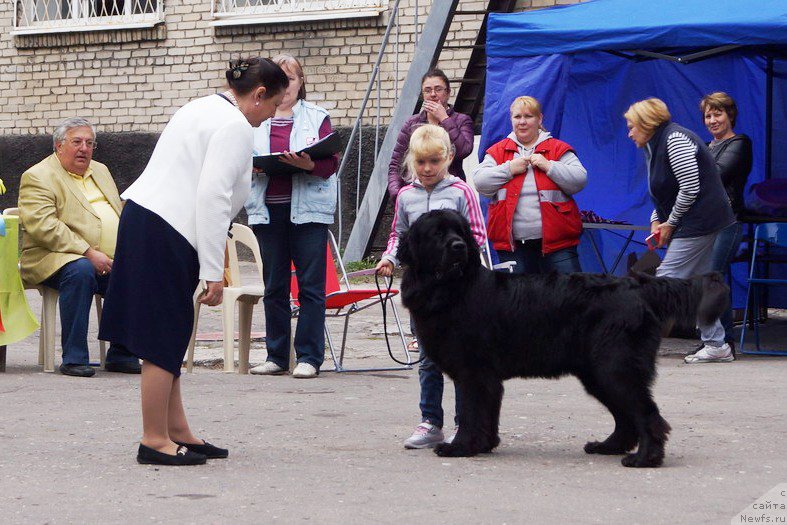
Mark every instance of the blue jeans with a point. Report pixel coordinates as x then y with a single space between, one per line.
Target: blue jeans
685 258
724 250
529 259
77 282
430 378
281 241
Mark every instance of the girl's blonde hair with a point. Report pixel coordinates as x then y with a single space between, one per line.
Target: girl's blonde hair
427 140
648 114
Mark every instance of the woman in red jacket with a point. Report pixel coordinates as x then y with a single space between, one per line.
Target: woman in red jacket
531 177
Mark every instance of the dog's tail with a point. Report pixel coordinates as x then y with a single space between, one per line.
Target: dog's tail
703 298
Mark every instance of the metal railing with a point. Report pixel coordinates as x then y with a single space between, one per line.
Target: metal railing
220 8
387 49
65 14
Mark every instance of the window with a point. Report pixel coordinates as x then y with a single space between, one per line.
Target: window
241 12
53 16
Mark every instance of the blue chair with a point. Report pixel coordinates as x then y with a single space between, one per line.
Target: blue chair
770 233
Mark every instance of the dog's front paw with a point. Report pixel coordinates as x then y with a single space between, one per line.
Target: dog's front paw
454 450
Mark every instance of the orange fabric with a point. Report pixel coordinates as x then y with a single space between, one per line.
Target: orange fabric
227 279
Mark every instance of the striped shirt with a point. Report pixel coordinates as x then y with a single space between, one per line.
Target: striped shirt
682 156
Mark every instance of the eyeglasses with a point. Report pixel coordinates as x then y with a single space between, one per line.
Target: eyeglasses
438 90
77 143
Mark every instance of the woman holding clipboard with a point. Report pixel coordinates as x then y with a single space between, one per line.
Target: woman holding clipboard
290 214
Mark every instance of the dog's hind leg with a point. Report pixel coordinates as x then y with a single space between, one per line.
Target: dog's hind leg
624 437
494 420
478 418
653 431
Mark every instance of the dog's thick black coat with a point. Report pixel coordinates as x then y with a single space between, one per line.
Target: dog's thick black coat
483 327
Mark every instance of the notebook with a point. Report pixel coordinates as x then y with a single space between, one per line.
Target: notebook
323 148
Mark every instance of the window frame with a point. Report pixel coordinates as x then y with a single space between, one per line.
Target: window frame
259 15
77 24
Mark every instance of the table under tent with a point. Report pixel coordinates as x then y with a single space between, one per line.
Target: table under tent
588 62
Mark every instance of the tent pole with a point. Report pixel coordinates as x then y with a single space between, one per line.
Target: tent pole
639 54
768 116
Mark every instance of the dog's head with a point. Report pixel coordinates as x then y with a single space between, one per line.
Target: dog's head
440 243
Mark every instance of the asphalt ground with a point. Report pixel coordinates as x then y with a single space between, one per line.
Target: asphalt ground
329 450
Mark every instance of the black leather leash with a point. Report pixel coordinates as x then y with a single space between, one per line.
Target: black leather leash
383 302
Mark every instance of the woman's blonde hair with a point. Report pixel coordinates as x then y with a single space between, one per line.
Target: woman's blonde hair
529 104
648 114
427 140
720 101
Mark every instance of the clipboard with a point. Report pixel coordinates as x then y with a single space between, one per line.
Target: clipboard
323 148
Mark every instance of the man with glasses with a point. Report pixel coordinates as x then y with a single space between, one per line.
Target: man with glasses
69 207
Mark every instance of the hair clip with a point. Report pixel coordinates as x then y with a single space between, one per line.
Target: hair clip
238 69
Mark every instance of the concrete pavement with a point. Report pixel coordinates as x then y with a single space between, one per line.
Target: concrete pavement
329 450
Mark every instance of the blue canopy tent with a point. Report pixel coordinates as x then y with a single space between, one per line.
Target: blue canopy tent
588 62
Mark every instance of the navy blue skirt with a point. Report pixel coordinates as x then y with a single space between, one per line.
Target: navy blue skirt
148 307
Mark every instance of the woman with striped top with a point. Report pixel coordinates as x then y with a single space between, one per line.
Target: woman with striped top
690 205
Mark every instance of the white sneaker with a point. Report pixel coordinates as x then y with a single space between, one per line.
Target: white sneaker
711 354
304 371
268 368
425 435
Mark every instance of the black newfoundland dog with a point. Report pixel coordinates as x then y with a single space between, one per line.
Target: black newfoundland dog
483 327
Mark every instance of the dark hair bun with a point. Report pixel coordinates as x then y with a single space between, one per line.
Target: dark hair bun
246 74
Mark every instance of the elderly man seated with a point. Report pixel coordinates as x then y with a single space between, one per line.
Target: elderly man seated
70 207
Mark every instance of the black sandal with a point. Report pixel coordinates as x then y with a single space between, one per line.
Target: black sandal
206 449
184 456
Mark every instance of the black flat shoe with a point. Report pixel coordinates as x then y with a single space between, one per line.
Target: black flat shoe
149 456
124 368
77 370
210 451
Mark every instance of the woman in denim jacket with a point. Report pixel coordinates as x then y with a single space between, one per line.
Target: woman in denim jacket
290 215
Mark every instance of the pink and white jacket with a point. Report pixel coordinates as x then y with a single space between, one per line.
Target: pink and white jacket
451 193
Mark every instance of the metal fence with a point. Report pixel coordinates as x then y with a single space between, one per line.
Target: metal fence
370 109
277 7
54 14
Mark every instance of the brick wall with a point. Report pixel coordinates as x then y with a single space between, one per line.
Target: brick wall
129 82
133 80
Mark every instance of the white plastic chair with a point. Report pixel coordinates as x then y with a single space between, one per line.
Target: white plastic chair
49 297
245 295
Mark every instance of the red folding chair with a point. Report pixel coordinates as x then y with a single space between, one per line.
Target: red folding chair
344 301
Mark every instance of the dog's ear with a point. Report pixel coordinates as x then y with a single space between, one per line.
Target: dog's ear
403 252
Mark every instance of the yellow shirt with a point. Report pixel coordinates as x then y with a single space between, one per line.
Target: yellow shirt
104 210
